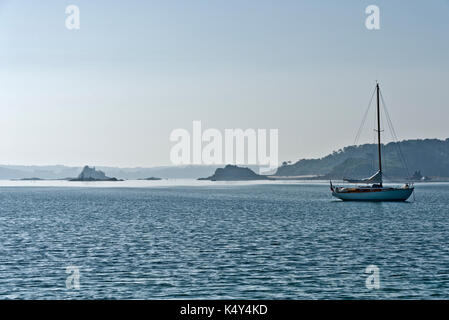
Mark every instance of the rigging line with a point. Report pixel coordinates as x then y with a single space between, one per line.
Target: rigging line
364 118
390 123
393 133
384 142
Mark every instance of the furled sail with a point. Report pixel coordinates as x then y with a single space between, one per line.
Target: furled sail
375 178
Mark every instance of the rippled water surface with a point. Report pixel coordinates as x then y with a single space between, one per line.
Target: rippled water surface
262 241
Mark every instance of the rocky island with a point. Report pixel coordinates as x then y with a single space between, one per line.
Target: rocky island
235 173
151 179
90 174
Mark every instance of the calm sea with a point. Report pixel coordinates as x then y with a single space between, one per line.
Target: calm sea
158 240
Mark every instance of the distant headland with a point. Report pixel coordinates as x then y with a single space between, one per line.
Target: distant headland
426 160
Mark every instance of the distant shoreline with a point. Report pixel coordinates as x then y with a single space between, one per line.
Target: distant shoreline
272 179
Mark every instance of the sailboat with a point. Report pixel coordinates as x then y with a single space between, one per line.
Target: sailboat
372 188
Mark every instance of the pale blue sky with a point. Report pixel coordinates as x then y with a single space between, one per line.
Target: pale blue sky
111 93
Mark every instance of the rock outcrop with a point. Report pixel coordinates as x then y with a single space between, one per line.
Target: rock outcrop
90 174
235 173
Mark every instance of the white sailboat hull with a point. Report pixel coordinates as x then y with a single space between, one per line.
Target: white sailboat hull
384 194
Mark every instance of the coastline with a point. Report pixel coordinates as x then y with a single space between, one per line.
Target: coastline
167 183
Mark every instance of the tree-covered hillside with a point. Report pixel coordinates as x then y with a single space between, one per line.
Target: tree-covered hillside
429 156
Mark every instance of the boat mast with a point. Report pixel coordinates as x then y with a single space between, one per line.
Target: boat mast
378 132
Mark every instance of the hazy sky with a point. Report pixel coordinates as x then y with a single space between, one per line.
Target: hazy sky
111 92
